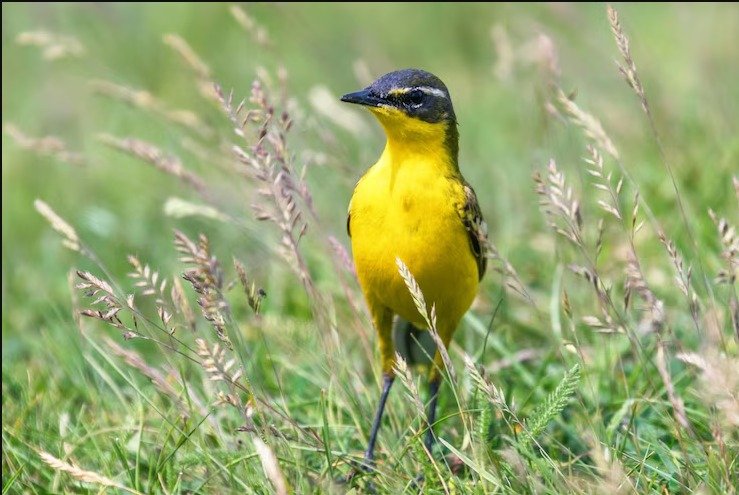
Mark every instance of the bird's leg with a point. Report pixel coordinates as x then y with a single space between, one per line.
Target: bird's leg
369 455
437 368
431 412
383 320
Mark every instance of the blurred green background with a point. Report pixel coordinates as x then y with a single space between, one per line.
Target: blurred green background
490 56
686 56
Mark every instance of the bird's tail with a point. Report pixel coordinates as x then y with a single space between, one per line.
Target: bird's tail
414 344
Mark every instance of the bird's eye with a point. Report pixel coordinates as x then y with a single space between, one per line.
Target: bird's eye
415 97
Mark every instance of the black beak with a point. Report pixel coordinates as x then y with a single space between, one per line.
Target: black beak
363 97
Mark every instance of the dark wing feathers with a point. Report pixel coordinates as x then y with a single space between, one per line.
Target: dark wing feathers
477 230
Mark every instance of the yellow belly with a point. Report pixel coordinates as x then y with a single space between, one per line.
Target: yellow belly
412 213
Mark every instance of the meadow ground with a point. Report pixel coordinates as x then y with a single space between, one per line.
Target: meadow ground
601 355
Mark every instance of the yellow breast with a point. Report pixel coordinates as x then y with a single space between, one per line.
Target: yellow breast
408 206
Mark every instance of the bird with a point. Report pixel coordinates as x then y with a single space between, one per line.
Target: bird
414 206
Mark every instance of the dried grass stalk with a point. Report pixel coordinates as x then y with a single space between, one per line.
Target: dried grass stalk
254 295
103 294
719 382
70 239
80 474
183 48
258 32
327 104
560 207
588 123
182 305
603 181
636 283
493 394
678 406
206 278
45 146
165 162
203 73
136 361
216 363
284 198
270 466
404 374
428 316
511 279
146 101
612 479
182 208
54 46
729 249
628 68
683 276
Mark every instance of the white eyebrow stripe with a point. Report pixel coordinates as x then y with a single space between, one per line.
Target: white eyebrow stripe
426 89
431 91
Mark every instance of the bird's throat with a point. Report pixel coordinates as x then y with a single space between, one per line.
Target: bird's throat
422 142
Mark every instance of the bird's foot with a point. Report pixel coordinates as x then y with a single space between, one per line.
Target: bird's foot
358 470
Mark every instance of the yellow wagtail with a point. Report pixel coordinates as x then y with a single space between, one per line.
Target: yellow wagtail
414 205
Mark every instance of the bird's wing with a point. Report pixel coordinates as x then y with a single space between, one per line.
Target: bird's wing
477 230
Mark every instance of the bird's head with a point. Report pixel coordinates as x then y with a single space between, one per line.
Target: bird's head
409 103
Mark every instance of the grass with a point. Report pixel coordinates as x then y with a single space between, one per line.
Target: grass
600 357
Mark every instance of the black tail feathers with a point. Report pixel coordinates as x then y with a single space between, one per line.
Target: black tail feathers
414 344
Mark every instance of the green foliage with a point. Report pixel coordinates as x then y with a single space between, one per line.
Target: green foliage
600 357
551 407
